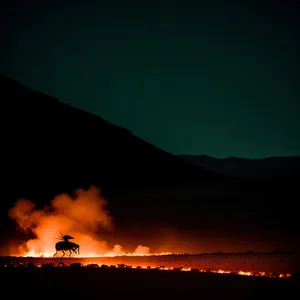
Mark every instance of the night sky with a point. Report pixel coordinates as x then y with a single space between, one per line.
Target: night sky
213 78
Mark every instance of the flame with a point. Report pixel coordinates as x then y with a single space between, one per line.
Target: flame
82 215
116 251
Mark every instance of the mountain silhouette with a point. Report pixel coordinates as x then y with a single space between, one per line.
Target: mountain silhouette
270 168
47 136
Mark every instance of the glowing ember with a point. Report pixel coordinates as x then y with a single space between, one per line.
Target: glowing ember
220 271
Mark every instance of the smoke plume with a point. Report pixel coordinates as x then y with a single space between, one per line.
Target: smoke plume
81 215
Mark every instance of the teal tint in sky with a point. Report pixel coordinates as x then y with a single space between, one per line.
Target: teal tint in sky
216 79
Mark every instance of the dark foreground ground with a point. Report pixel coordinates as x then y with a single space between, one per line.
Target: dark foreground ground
100 283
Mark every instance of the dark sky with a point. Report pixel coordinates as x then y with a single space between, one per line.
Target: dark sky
216 78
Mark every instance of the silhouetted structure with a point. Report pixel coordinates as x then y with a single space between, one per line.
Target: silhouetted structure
66 245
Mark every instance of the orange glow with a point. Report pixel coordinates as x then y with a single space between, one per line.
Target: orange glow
82 216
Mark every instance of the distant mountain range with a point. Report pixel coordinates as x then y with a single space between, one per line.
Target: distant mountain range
49 147
265 168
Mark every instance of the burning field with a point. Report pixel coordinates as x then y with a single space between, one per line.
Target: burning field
84 216
39 277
